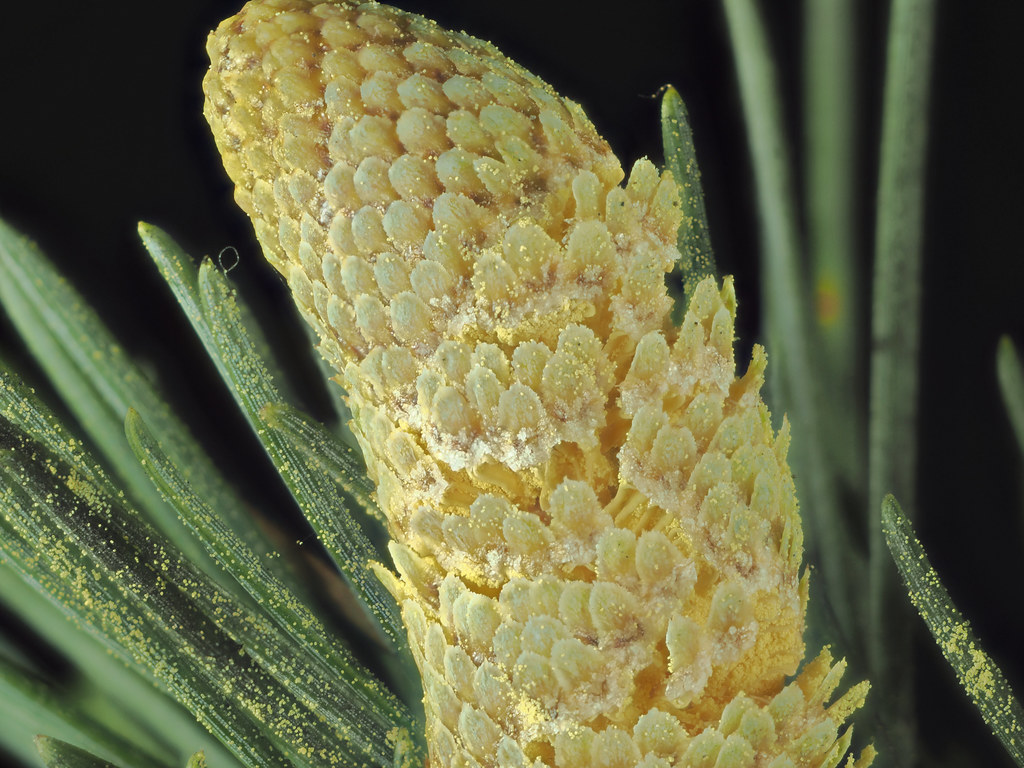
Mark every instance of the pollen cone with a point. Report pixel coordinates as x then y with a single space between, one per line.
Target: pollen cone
595 527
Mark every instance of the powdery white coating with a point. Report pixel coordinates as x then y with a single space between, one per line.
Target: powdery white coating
595 527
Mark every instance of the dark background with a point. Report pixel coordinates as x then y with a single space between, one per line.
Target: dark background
101 126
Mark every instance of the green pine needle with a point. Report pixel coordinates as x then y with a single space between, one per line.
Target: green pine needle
696 258
333 456
220 321
99 383
1010 373
302 658
795 376
59 754
256 668
978 674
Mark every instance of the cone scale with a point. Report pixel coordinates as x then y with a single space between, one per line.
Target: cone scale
595 529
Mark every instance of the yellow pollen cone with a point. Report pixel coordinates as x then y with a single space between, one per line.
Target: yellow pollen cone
595 527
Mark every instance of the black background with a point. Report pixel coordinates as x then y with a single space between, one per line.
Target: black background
101 126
